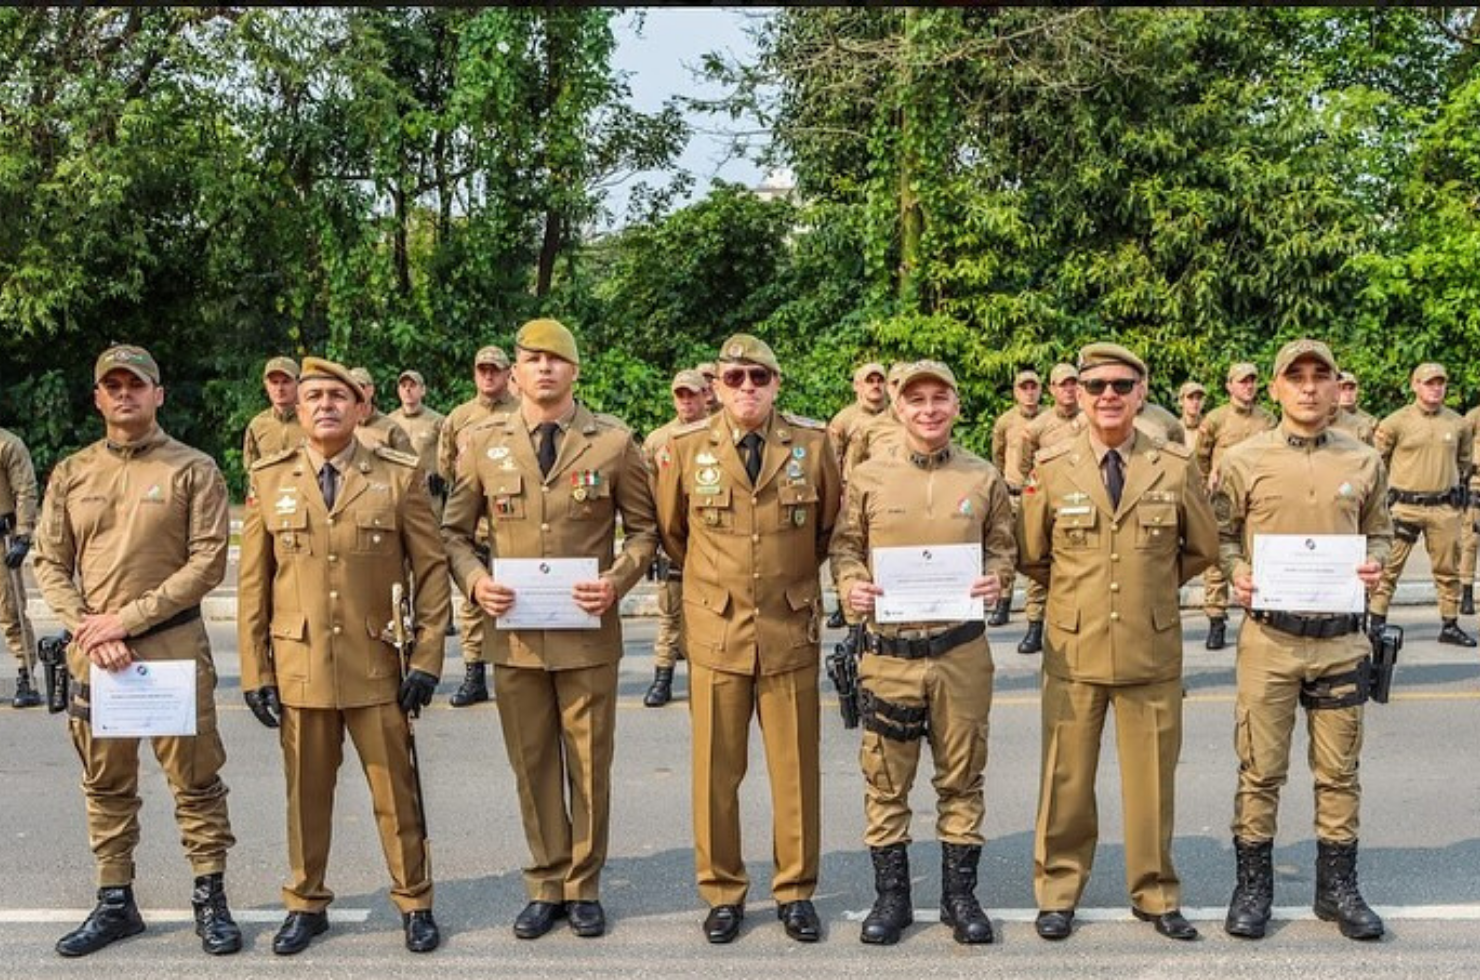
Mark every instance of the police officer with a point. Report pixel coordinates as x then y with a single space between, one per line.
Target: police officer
17 525
870 397
330 528
1113 523
1190 398
376 427
930 680
551 479
1007 447
1351 419
133 535
1469 537
746 503
711 393
1161 424
491 373
1048 429
274 428
424 427
1225 427
689 405
880 434
1428 450
1302 478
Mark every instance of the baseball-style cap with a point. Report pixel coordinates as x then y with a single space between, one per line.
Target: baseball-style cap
707 369
1428 371
926 369
689 380
1029 375
135 360
413 375
280 365
1062 373
1189 387
872 367
1296 349
361 376
319 369
1104 352
744 347
548 337
1346 378
492 355
1242 370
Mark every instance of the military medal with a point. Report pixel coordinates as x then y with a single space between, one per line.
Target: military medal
794 470
583 483
799 516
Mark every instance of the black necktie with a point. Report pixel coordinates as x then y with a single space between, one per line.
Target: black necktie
546 452
752 444
329 484
1114 477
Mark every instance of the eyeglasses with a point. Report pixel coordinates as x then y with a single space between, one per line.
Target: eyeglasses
735 377
1096 386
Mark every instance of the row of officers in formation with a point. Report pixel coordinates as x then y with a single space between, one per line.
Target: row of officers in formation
1104 503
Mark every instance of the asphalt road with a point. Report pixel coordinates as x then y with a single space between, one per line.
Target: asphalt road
1420 851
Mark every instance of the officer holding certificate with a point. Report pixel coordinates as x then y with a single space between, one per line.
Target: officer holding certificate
1303 477
925 679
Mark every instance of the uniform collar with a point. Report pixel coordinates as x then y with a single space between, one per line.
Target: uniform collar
934 460
1100 448
341 459
286 414
1305 442
1070 414
564 421
154 437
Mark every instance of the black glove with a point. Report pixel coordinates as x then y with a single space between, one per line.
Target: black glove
436 485
19 545
265 705
416 691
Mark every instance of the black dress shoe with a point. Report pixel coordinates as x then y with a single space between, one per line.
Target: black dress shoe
538 918
586 918
115 917
1170 924
298 930
422 934
722 924
1054 923
800 920
1453 635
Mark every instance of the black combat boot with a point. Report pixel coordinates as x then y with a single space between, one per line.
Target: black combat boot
1337 897
835 620
115 917
1248 909
26 695
1217 633
1451 633
661 691
958 905
892 910
1001 612
474 687
1033 641
218 931
1467 601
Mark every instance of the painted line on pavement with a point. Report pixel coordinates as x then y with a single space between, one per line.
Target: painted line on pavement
1283 913
49 916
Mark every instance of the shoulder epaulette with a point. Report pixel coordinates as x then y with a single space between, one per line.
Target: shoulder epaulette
1053 452
698 425
273 459
802 422
606 421
396 456
1174 448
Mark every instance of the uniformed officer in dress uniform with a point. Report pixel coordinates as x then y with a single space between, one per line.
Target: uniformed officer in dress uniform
1225 427
1429 452
491 373
1469 537
924 680
1301 478
133 535
376 427
424 427
746 503
1048 429
1113 523
1351 419
276 427
689 405
1190 398
1007 447
551 479
870 398
330 528
18 499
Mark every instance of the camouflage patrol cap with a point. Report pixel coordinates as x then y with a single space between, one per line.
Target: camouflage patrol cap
548 337
872 367
689 380
280 365
1347 378
319 369
1102 353
492 355
746 348
1241 370
135 360
413 375
1028 375
921 370
1189 387
1428 371
707 369
362 377
1296 349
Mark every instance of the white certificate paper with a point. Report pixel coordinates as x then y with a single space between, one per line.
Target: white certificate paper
1309 573
544 593
144 699
927 583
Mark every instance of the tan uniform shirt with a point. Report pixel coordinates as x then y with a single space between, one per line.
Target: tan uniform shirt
879 435
459 422
1425 452
1225 427
895 501
314 594
750 555
425 431
1007 443
847 422
1159 423
270 433
658 438
1358 424
599 472
1048 429
17 483
1113 573
379 430
1193 430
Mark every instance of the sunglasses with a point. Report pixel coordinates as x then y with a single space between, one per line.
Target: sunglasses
1096 386
735 377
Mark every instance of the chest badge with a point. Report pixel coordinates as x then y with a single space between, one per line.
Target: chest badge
799 452
705 459
498 452
154 495
287 503
708 476
794 470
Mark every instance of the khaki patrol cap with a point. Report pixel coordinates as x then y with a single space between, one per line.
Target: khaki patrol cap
135 360
1241 370
1296 349
413 375
1104 352
926 369
362 376
689 380
318 369
872 367
1347 378
744 347
548 337
1029 375
1062 373
1188 387
707 369
1428 371
281 365
492 355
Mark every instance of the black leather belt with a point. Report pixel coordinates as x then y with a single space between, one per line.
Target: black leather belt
1438 498
178 619
1312 627
919 647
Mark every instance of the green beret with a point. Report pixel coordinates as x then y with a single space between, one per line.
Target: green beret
318 369
135 360
1104 352
548 337
744 347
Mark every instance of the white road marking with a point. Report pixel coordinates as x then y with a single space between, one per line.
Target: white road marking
1284 913
161 916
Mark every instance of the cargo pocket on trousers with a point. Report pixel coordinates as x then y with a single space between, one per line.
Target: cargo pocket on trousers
1243 738
875 764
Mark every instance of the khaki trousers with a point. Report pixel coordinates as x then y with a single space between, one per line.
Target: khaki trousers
1469 544
313 748
1148 726
670 623
1215 592
1271 667
14 622
1036 601
956 688
1440 527
721 706
559 728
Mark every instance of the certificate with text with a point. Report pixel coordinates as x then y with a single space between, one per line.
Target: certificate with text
1309 573
544 593
145 699
927 583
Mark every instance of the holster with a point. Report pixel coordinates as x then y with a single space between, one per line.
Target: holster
1386 645
897 722
52 652
1406 531
842 670
1345 690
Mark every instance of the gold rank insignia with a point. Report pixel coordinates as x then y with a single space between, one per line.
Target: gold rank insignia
705 459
